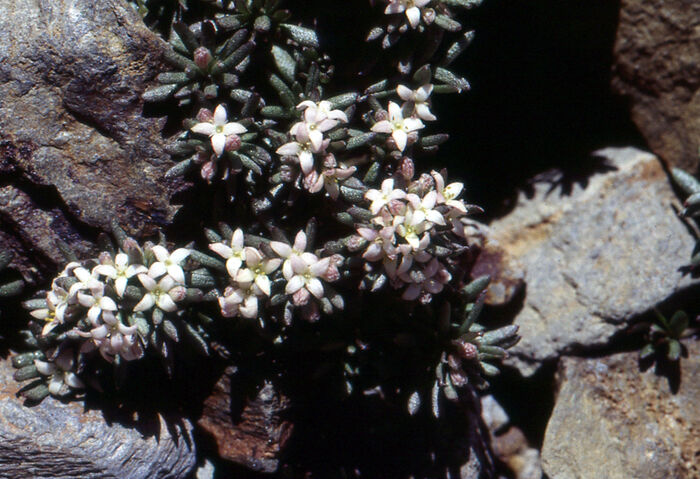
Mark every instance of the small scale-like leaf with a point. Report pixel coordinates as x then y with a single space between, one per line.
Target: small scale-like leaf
159 93
285 93
303 36
180 168
458 47
186 36
647 351
447 23
678 324
414 402
489 369
473 289
463 3
171 330
285 63
360 140
685 181
674 350
344 100
12 288
451 79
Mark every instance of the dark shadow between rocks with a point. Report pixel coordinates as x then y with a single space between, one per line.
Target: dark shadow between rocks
529 402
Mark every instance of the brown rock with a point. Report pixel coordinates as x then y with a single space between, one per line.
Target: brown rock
256 438
507 274
657 67
73 140
612 420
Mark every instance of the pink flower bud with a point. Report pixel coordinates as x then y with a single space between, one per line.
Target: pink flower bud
233 142
202 57
208 170
407 168
205 115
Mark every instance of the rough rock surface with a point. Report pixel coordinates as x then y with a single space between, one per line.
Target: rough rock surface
596 258
612 420
61 440
75 148
656 67
509 443
254 440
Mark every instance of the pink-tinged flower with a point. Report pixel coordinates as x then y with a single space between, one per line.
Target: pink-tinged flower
398 126
410 227
423 208
448 194
381 243
412 9
303 148
418 99
86 279
163 294
113 338
322 109
318 118
234 254
120 271
257 270
383 197
288 252
168 263
305 278
61 374
436 277
329 179
219 129
97 302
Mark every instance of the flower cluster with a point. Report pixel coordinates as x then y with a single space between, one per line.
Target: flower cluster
408 226
255 276
310 143
119 305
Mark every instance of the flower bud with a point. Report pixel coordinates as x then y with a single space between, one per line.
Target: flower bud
407 168
233 142
429 15
202 57
208 170
205 115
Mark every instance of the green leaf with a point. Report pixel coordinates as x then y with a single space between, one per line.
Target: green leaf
159 93
12 288
285 63
458 47
678 323
285 93
685 181
463 3
186 36
473 289
674 350
344 100
647 351
489 369
301 35
451 79
180 169
447 23
360 140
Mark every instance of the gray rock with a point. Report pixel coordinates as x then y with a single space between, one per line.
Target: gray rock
614 421
73 140
62 440
656 68
594 259
509 443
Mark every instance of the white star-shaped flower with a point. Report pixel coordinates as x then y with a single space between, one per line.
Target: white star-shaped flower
219 129
168 263
387 194
418 99
398 126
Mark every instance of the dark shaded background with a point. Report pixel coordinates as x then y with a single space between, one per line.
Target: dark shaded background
540 98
